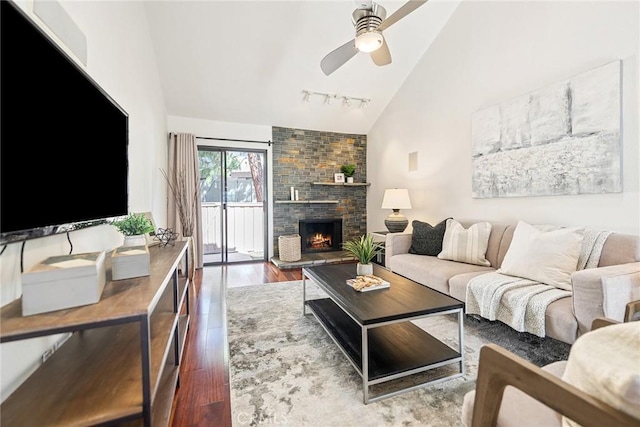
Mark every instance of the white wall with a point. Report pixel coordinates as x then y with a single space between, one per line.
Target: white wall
121 60
487 53
216 129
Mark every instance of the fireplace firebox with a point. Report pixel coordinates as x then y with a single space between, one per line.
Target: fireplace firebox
320 235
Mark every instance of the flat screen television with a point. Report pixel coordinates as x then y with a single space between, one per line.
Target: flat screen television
63 139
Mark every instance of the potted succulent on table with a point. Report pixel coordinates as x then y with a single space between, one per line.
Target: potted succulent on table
364 249
134 227
348 171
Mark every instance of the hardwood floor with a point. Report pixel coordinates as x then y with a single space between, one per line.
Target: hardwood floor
202 398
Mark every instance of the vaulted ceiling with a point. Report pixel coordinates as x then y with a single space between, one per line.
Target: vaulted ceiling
250 61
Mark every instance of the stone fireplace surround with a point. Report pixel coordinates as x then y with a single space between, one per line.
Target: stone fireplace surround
304 157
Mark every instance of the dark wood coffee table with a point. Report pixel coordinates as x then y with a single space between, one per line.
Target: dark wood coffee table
373 328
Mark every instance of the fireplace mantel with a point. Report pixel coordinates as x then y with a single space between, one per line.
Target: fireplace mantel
308 201
344 184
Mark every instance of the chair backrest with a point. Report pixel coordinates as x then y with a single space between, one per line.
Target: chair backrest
632 311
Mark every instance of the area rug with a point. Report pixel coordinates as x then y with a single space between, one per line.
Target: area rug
286 370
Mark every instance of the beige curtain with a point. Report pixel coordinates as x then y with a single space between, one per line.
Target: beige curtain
183 163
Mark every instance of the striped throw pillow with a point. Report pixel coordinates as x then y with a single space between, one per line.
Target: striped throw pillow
468 245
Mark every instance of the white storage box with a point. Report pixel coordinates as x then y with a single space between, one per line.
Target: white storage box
64 281
129 261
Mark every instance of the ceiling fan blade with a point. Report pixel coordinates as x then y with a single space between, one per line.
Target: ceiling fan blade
338 57
382 56
403 11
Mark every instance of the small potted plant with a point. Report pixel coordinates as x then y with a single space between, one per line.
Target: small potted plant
364 249
348 171
134 227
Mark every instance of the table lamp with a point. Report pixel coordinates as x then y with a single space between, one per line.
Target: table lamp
396 199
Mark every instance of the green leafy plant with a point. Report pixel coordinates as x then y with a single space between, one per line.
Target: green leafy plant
133 224
364 249
348 170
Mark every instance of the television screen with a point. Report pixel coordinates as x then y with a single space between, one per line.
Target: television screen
63 140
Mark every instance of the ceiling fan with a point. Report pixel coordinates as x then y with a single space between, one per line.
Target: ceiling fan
369 22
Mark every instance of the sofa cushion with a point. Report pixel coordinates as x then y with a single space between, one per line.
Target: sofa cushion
468 245
458 283
548 257
519 409
620 249
426 239
431 271
499 240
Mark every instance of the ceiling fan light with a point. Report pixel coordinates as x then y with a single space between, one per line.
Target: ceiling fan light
369 41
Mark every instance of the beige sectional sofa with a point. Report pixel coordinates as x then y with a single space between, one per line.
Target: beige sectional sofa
596 292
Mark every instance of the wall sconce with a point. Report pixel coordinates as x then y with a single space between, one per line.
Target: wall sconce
396 199
329 97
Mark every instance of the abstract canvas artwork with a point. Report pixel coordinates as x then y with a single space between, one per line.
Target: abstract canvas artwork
558 140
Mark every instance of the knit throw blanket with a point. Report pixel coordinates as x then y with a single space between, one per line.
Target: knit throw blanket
522 303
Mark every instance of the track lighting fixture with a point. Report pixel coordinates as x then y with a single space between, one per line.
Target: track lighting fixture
329 97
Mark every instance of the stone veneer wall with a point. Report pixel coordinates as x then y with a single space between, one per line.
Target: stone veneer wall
301 157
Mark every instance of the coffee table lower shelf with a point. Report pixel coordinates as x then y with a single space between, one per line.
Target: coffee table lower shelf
395 350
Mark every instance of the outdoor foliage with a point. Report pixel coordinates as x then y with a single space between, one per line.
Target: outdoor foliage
239 188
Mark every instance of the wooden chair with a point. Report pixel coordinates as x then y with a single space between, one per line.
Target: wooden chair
539 392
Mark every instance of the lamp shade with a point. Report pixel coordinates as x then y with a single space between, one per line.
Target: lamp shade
396 198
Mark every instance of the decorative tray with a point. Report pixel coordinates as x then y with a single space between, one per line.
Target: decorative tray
368 283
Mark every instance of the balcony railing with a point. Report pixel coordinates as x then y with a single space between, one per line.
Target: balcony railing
245 227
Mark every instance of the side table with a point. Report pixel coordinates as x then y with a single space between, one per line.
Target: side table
380 236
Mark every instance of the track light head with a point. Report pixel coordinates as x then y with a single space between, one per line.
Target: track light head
330 97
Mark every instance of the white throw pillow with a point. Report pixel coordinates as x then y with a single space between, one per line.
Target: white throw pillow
544 256
466 245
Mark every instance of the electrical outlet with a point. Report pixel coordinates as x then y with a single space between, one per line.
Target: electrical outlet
47 354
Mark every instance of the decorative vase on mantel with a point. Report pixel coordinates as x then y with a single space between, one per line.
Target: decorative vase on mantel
364 269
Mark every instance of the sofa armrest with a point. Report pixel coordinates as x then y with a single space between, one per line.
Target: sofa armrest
395 244
604 292
499 368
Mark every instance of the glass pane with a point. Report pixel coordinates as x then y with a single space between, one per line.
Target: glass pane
245 213
211 197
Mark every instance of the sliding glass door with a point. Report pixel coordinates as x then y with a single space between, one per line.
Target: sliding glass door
234 215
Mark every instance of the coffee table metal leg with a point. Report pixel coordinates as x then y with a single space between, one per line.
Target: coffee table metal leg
461 339
365 365
304 295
